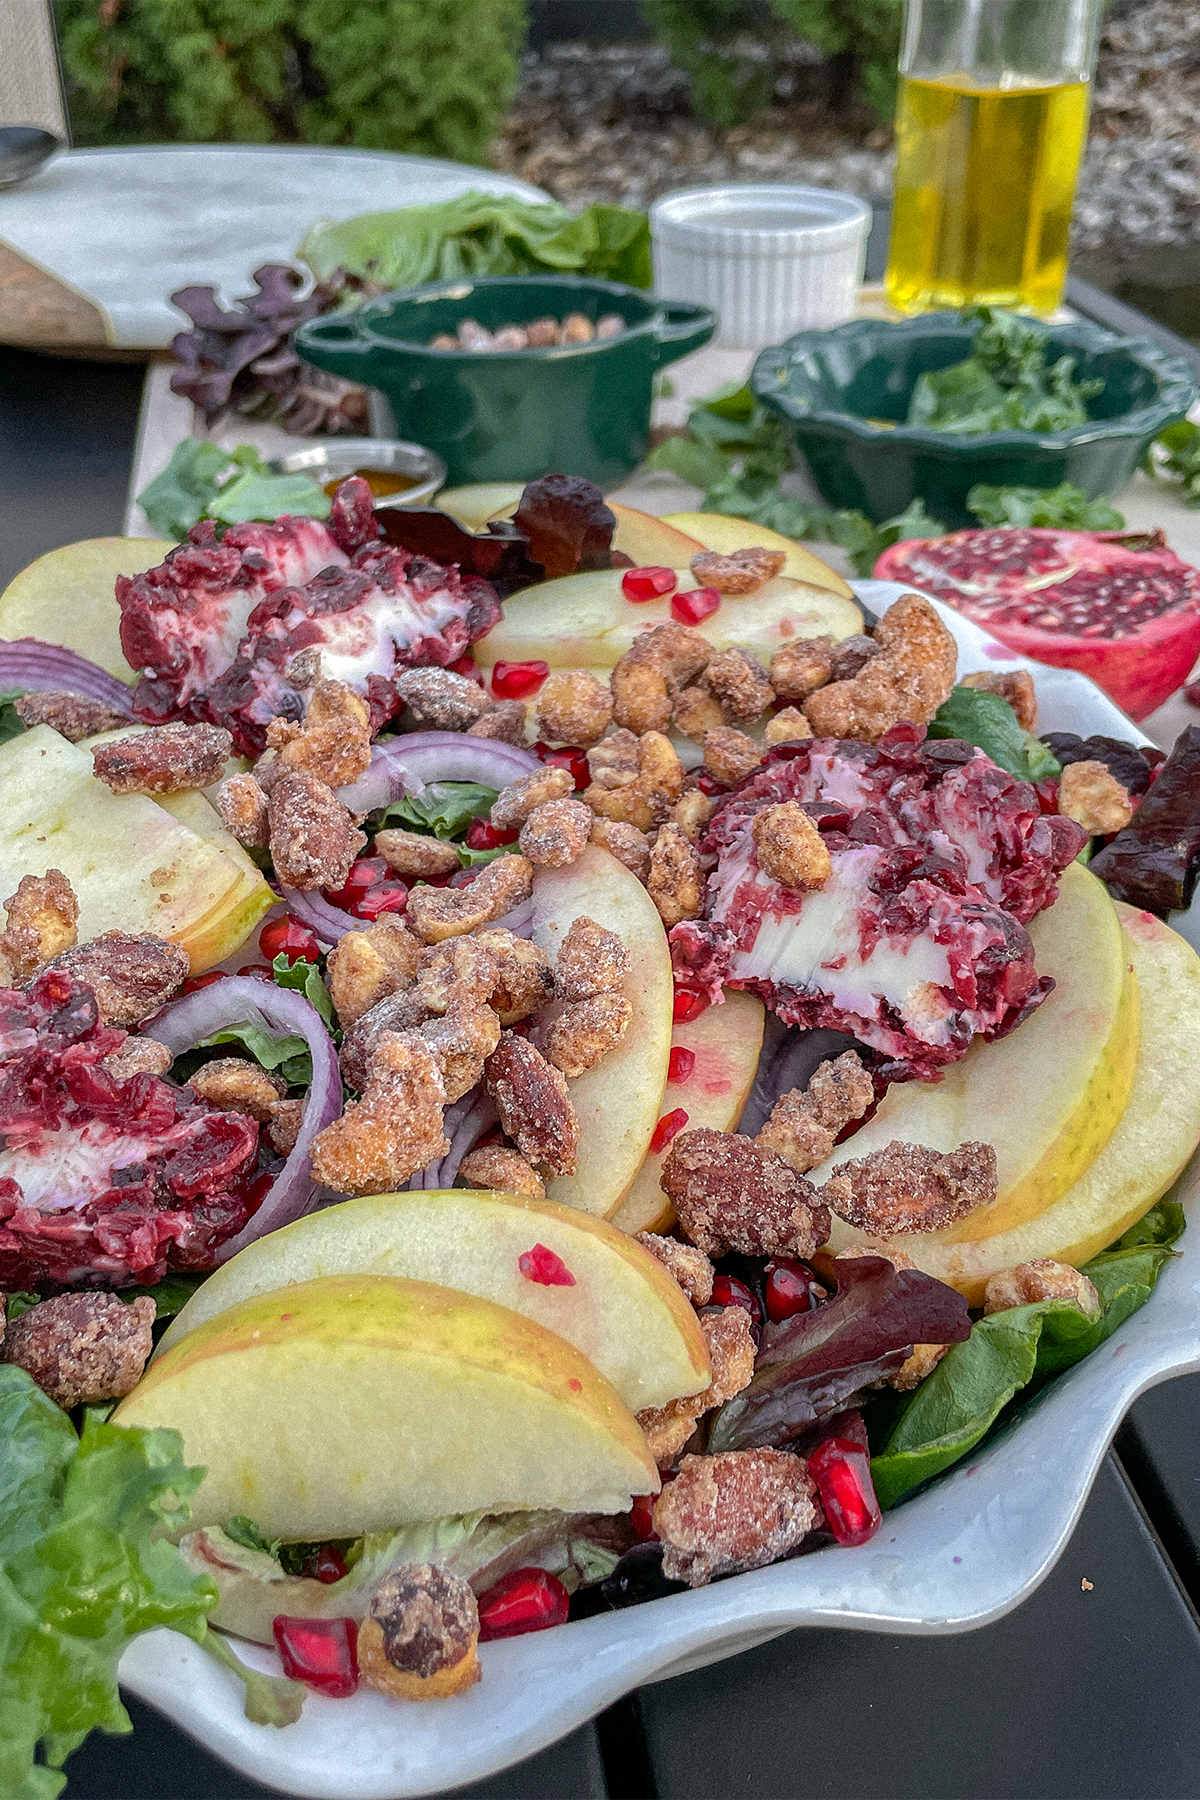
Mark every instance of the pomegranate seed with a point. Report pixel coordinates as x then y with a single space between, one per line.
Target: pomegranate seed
680 1065
640 585
518 680
328 1565
790 1288
668 1127
365 874
323 1653
256 1191
194 983
482 835
543 1266
696 604
526 1600
288 937
729 1291
641 1517
570 758
258 970
688 1005
384 897
842 1471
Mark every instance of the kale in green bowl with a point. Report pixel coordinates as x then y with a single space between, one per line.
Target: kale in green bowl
845 396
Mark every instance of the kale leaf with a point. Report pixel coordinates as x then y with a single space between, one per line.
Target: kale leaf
1006 384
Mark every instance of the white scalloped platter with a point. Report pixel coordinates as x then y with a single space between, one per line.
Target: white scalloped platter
960 1555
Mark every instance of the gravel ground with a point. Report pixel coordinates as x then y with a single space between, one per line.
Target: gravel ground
614 122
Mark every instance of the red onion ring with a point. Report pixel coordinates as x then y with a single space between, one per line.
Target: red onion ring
329 922
404 765
243 999
464 1124
44 668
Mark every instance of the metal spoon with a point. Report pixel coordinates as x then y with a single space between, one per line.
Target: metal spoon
24 148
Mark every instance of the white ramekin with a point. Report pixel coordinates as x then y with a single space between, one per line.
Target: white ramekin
770 260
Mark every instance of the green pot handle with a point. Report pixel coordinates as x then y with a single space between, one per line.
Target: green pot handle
681 329
336 343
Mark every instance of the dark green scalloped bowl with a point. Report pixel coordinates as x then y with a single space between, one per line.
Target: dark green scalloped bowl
828 386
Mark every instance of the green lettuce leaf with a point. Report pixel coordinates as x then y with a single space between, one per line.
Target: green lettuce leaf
203 481
442 809
170 1295
259 494
1064 505
10 725
989 722
305 977
288 1055
1005 384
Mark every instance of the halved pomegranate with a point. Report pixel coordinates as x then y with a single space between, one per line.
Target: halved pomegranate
1116 605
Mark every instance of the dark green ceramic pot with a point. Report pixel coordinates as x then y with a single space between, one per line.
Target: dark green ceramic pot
829 385
511 415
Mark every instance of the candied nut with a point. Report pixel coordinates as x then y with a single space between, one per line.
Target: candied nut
691 812
82 1347
131 977
729 1193
591 960
1041 1279
283 1126
521 798
556 834
805 1124
573 707
166 759
675 883
906 1187
738 682
787 727
138 1056
585 1032
399 1012
333 740
439 913
524 979
730 756
314 840
647 799
690 1267
730 1344
235 1085
243 809
789 848
909 677
800 667
913 1370
535 1111
577 328
511 337
42 919
416 857
394 1130
419 1638
365 965
739 1510
73 716
493 1166
440 700
461 1040
740 572
542 333
1094 798
506 722
613 762
1014 685
651 673
461 970
304 668
697 712
630 846
851 656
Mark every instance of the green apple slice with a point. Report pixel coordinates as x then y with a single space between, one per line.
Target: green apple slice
66 597
722 532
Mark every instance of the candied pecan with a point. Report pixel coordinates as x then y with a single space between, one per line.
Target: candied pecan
138 1056
730 1344
696 713
591 960
242 805
461 1039
1093 797
586 1031
1041 1279
556 834
235 1085
514 804
166 759
801 666
675 883
738 682
524 979
419 1638
506 722
789 848
630 846
573 707
283 1126
314 840
440 700
906 1187
365 965
304 668
613 762
416 857
739 572
691 812
740 1510
400 1011
131 976
535 1111
82 1347
461 970
690 1267
332 741
646 680
42 919
787 727
394 1130
909 678
851 656
439 913
496 1167
805 1124
729 1193
73 716
730 755
1014 685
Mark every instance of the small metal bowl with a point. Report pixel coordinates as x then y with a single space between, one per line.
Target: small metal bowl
335 458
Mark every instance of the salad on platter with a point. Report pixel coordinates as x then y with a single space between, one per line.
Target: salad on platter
547 1059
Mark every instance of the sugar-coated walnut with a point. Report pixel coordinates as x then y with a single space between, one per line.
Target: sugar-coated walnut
440 700
675 883
851 656
739 683
573 707
1014 685
524 979
740 1510
613 762
696 713
400 1011
789 847
283 1126
789 726
42 918
1094 798
534 1108
909 677
131 976
365 965
647 799
731 1194
591 960
461 1038
459 970
651 673
1041 1279
506 722
556 834
332 741
730 1344
630 846
739 572
314 841
515 803
805 1124
414 856
394 1130
242 805
800 667
167 759
73 716
730 756
691 812
906 1187
138 1056
585 1032
690 1267
234 1084
419 1638
913 1370
504 1171
82 1347
439 913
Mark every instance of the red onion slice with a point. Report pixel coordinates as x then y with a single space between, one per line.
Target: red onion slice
43 668
464 1124
242 1000
404 765
329 922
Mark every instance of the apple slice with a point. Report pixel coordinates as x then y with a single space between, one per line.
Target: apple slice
352 1404
66 597
1156 1135
480 501
652 541
617 1102
623 1311
718 531
1048 1096
726 1042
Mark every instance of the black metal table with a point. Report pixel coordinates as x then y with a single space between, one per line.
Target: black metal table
1082 1691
